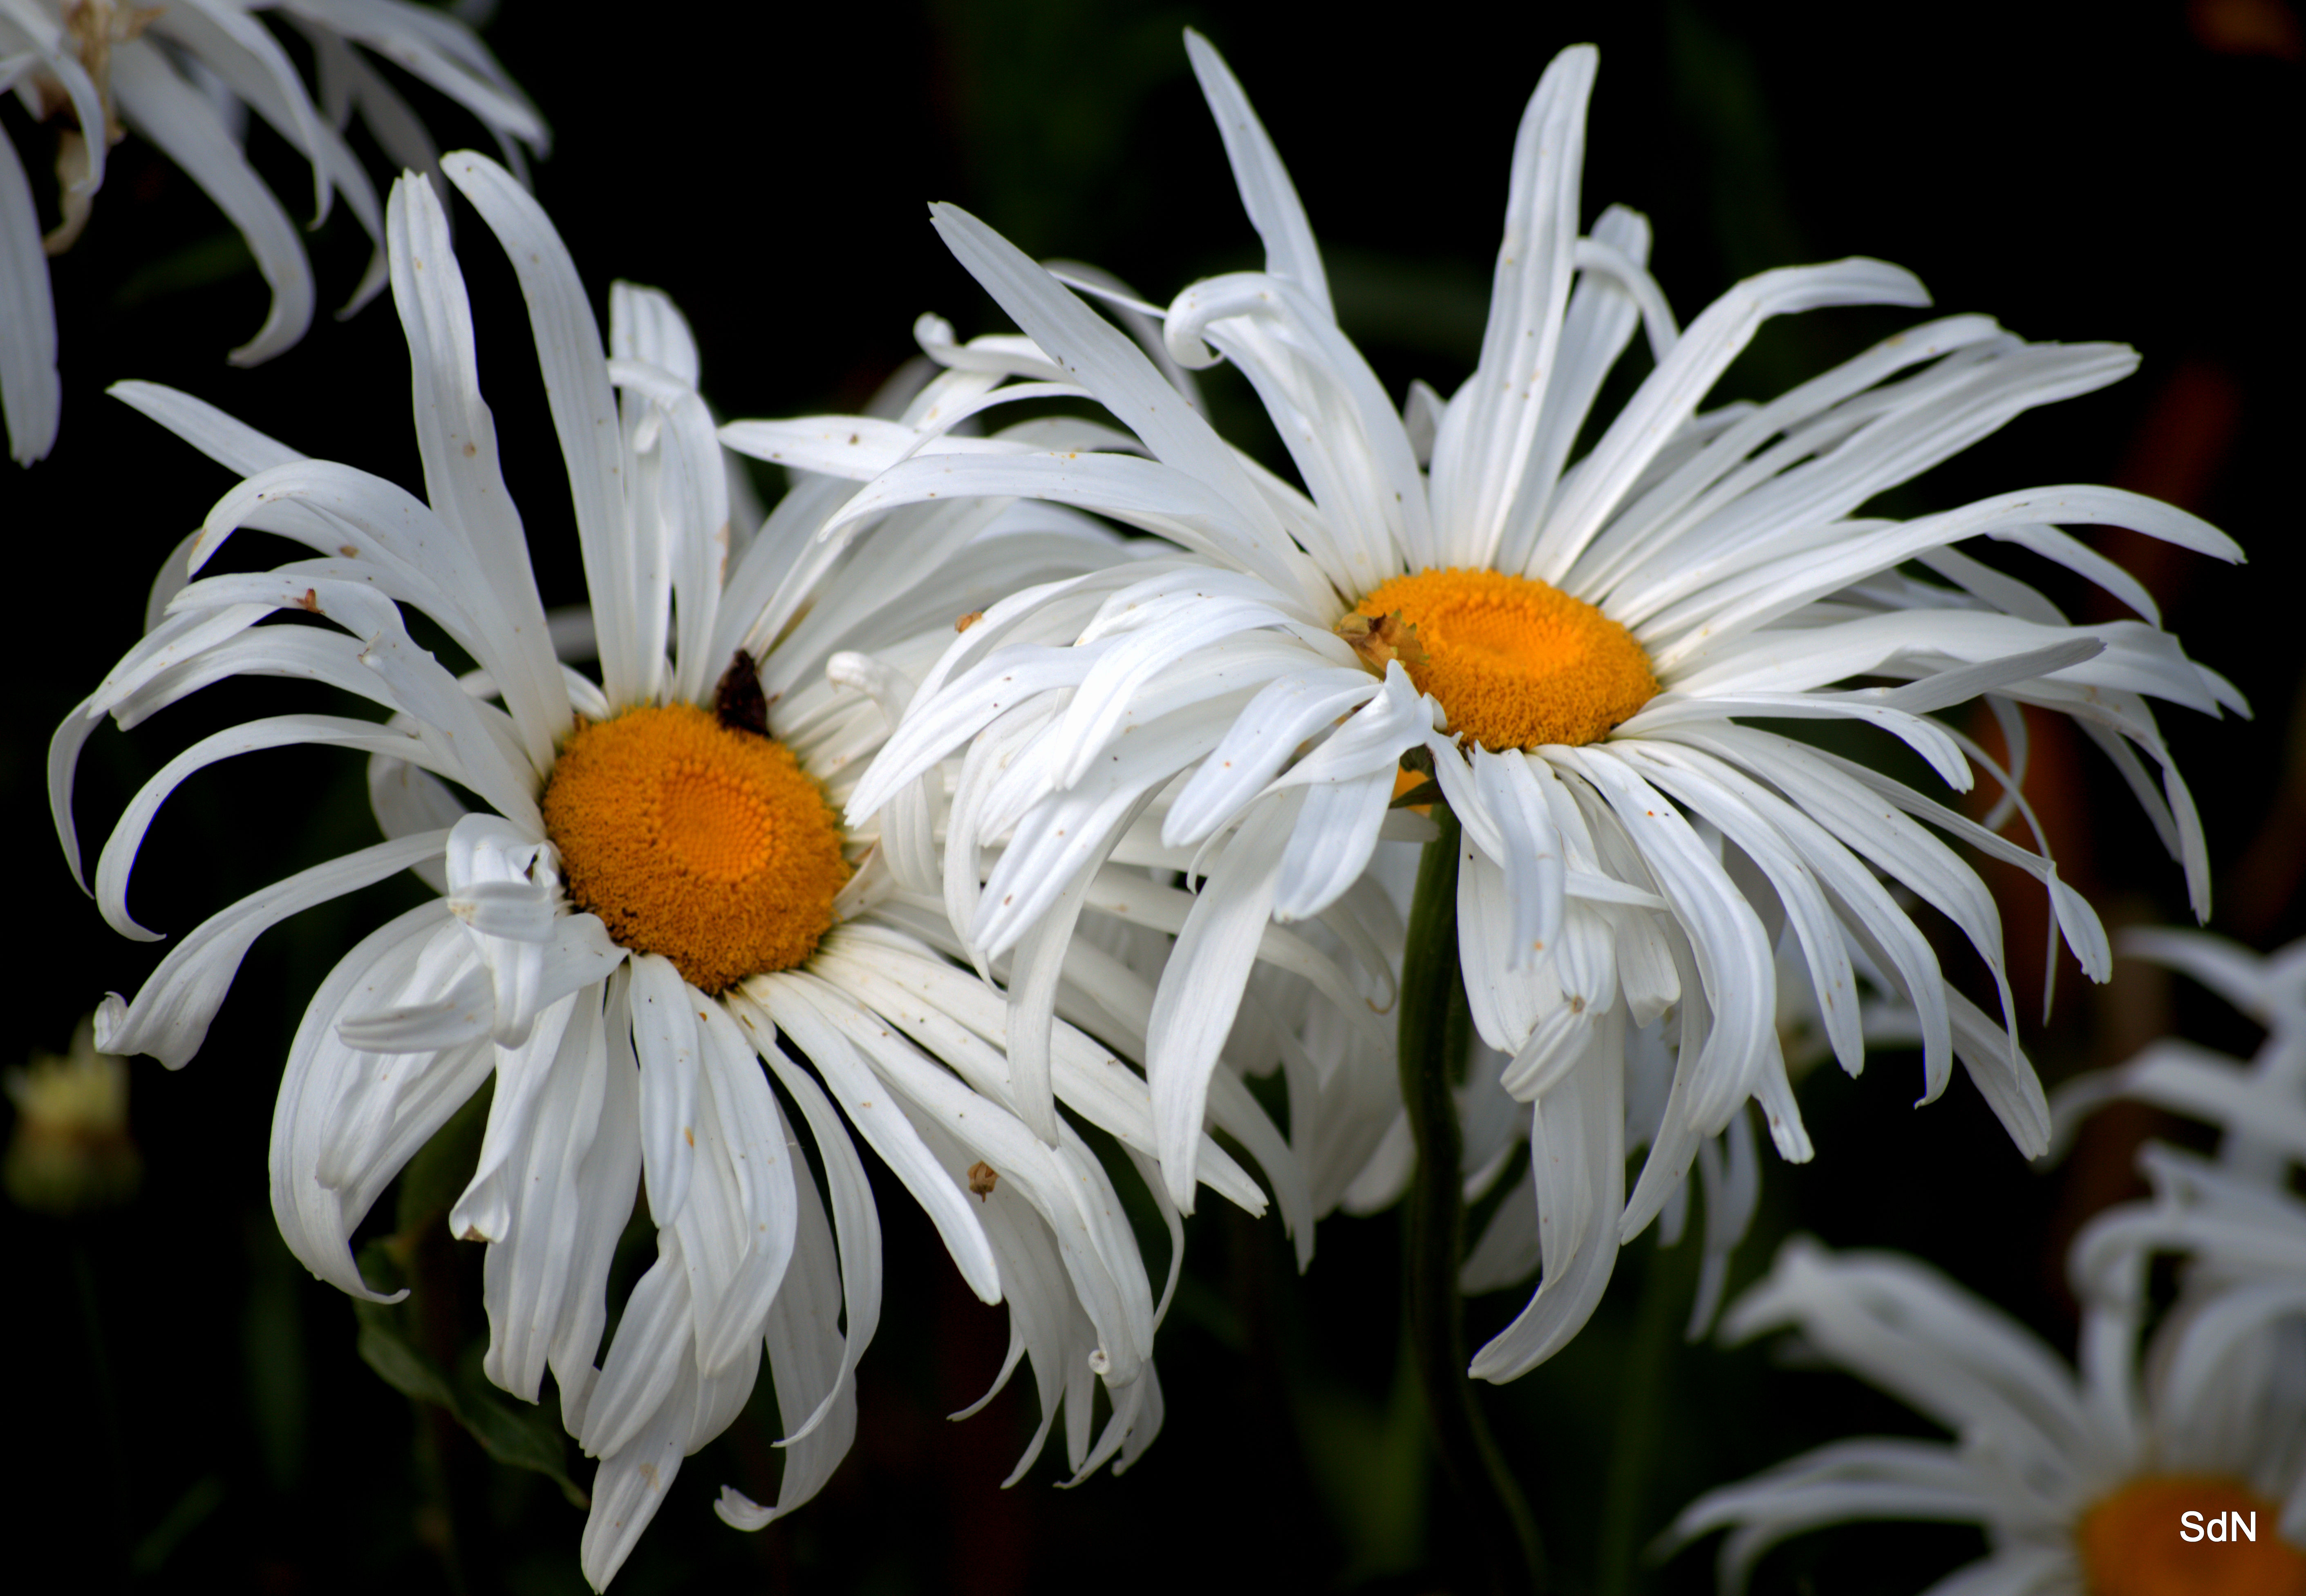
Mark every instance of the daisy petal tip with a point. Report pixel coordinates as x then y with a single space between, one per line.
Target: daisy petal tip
1182 1187
740 1511
111 1017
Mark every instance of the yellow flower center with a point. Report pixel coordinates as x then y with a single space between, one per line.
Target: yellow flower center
1514 661
2181 1536
696 841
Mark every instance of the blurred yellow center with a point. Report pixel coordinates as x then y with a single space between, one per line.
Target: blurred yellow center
2181 1536
690 839
1515 663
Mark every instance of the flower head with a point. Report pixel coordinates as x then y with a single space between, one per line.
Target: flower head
2081 1479
656 900
1575 642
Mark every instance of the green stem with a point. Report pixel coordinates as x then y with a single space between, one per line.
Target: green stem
1433 1035
108 1393
1641 1394
439 1295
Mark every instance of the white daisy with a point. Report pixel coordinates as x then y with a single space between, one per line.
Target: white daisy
2080 1479
1589 632
2259 1106
183 77
2237 1211
656 899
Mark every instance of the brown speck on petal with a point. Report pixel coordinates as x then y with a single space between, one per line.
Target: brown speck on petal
311 601
982 1179
962 623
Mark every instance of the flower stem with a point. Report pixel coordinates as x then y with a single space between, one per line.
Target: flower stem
1434 1034
1642 1385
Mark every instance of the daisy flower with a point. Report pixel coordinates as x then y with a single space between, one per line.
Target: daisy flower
2236 1210
2081 1478
1572 643
2259 1106
183 77
645 896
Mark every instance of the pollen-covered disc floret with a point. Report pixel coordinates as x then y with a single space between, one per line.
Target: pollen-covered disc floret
708 845
1517 663
2132 1543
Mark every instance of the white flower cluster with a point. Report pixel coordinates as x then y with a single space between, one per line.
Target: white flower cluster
934 813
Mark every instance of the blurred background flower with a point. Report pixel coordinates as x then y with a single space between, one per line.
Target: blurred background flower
183 78
2118 173
70 1151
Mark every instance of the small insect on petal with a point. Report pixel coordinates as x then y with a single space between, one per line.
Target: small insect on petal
982 1179
738 703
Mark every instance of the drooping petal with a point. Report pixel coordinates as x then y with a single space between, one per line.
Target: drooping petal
158 103
32 393
173 1008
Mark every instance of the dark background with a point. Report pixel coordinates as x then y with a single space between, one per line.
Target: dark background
187 1405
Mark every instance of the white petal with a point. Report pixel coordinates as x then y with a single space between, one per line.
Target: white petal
1095 353
1266 191
1577 1149
457 438
170 1016
650 1358
752 1197
1733 957
636 1473
1202 985
664 1034
804 1312
811 1364
626 580
1669 395
1484 448
312 1217
1510 785
157 103
871 1108
32 393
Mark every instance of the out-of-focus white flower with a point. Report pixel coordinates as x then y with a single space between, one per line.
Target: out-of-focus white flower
183 76
2080 1477
2257 1106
